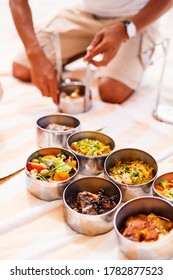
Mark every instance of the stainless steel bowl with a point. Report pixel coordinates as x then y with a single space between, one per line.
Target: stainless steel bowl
165 176
53 138
130 154
154 250
90 224
72 103
48 190
90 165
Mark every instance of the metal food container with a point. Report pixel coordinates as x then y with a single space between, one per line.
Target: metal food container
153 250
130 154
90 165
52 138
85 223
48 190
73 99
165 176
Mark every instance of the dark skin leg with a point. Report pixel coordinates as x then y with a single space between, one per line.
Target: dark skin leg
21 72
113 91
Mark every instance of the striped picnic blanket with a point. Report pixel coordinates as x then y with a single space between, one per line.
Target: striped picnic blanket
38 226
130 124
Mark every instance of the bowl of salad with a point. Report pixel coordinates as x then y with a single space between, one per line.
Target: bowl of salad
49 170
163 186
133 170
53 130
91 148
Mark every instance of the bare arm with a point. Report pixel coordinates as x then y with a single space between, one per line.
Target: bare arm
151 12
108 40
42 72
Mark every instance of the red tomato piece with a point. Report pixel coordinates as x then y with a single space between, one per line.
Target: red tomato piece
34 165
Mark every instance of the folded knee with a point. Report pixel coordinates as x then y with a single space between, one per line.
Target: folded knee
113 91
21 72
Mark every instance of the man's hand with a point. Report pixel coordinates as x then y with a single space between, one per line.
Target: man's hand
43 76
106 42
42 72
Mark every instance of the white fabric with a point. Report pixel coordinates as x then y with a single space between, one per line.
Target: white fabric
32 229
112 8
1 91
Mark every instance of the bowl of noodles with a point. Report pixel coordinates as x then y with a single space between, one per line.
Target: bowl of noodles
133 170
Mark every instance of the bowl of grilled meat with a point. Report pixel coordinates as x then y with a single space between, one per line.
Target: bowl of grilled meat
90 204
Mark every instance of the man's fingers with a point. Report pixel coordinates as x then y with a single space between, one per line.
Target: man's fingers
93 48
97 39
97 50
53 88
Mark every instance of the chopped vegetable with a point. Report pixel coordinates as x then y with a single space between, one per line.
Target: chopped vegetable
165 188
90 147
51 168
132 173
61 176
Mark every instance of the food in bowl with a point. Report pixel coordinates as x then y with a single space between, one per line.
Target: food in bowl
133 172
89 188
145 205
51 168
86 202
90 147
73 94
146 228
165 188
72 98
53 130
58 127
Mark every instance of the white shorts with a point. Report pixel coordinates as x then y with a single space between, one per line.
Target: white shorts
76 30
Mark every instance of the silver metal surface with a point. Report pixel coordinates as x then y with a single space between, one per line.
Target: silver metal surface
130 154
52 138
76 105
58 54
165 176
48 190
156 250
90 224
90 165
87 87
